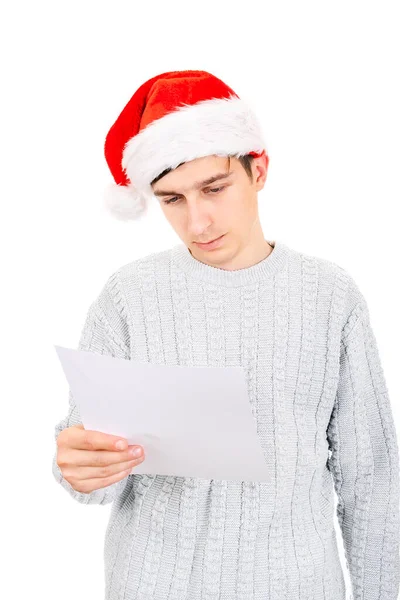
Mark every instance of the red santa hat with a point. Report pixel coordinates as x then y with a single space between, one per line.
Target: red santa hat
173 118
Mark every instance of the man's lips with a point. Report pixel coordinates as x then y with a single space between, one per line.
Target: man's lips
204 243
212 244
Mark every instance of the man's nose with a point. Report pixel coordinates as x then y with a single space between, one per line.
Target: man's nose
198 218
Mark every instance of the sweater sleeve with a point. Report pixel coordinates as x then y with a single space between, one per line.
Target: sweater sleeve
364 463
105 331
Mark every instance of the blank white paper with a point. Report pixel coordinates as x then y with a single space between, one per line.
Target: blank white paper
191 421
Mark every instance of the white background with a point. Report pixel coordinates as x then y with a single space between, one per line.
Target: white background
323 80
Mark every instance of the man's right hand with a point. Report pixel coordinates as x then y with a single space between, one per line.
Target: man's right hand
89 460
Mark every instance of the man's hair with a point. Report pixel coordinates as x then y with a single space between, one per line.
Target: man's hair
245 161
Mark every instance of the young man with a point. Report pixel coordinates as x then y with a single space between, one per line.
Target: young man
226 296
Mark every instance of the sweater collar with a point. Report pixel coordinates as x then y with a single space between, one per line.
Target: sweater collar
262 270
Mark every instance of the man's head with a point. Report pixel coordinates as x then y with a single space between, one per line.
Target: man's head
172 120
200 210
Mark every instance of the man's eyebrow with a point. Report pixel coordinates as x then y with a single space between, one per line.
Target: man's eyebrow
197 185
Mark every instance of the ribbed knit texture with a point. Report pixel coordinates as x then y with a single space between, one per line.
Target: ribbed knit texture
299 326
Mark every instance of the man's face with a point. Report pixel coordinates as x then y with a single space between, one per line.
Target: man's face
201 212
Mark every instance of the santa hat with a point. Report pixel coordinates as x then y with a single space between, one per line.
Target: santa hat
173 118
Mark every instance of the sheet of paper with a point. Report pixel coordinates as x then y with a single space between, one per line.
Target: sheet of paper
191 421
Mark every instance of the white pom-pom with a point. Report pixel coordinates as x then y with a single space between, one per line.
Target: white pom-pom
124 202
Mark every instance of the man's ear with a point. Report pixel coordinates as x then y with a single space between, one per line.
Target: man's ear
260 170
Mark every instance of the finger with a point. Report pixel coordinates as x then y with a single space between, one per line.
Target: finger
96 458
87 439
105 472
89 485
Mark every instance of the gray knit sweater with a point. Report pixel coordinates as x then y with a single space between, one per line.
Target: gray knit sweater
300 327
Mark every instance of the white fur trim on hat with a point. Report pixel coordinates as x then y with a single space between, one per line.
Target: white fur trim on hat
124 202
218 126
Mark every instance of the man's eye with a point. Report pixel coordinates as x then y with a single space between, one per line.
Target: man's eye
213 190
216 190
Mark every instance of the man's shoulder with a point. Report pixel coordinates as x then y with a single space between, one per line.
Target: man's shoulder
154 260
322 265
334 279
